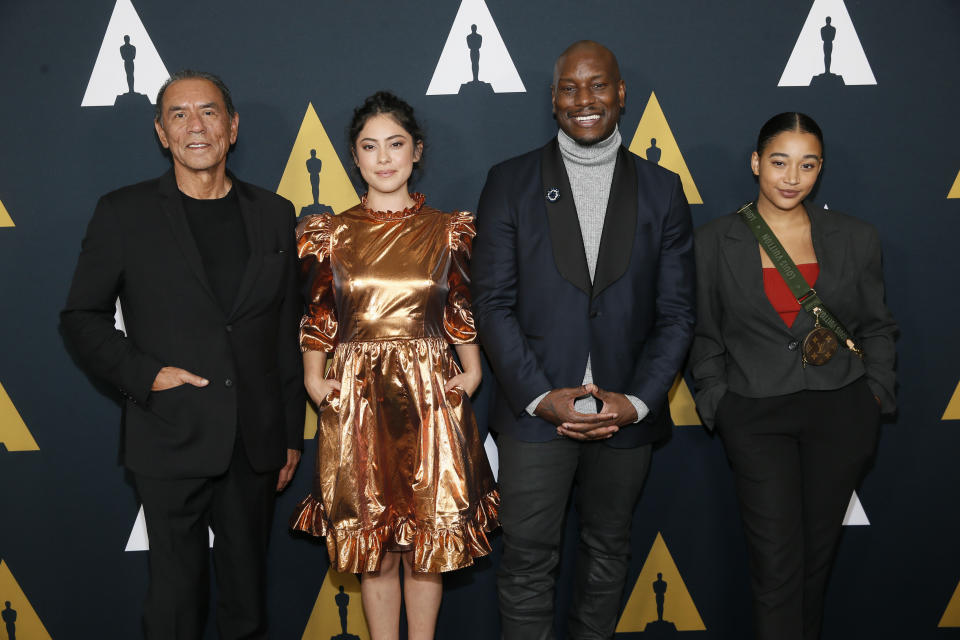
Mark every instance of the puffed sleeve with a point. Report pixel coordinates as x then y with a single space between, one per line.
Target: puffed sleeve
457 316
318 327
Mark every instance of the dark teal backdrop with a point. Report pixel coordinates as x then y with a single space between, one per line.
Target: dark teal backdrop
66 510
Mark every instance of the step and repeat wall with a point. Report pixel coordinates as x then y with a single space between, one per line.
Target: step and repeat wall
78 81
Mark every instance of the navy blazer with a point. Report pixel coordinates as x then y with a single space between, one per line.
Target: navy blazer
139 247
742 343
538 315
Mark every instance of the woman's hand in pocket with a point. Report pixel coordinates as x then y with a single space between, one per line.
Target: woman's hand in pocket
468 381
319 389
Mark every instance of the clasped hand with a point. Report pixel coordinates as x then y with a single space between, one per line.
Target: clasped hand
557 407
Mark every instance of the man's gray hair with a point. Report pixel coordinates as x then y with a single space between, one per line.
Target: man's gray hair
191 74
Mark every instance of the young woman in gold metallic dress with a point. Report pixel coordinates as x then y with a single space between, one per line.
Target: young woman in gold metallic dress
401 477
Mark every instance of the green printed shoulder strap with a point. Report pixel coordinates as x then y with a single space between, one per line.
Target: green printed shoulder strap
806 296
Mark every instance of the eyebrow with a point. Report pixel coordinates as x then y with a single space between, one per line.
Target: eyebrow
396 135
599 76
180 107
785 155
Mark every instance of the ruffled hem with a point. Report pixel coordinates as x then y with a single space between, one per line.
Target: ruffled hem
434 551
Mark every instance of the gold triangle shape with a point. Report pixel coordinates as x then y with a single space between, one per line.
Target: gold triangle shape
27 622
660 574
952 412
338 611
951 617
955 189
13 431
683 410
335 193
5 219
653 136
310 422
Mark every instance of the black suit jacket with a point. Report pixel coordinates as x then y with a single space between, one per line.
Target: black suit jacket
743 345
139 247
538 315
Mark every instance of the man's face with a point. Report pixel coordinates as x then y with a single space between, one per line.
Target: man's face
195 126
588 94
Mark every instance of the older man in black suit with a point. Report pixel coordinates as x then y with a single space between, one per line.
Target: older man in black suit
204 266
584 300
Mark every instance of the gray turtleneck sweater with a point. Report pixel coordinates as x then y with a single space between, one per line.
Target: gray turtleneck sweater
590 170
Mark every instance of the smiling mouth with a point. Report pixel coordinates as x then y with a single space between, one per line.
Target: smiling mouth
586 120
197 145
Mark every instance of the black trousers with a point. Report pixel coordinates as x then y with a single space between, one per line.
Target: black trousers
797 459
535 483
238 506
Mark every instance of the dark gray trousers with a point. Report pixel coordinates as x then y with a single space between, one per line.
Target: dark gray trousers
535 483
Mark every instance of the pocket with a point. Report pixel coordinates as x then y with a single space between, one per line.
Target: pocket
719 411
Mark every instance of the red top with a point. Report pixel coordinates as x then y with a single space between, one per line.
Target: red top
779 293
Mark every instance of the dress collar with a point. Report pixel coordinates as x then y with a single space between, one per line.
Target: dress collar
418 199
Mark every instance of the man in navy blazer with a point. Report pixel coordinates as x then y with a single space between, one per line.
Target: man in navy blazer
583 294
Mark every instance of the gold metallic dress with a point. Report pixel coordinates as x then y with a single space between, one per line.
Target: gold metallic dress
400 465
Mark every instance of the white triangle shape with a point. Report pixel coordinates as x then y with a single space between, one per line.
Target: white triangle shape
855 516
109 78
138 540
495 65
118 318
493 455
847 58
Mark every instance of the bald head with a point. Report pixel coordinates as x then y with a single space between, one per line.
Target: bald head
588 93
591 48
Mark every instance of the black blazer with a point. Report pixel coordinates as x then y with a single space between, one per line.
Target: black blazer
743 345
538 315
139 247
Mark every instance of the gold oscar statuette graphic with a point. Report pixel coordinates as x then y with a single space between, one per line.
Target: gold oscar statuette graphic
951 617
19 618
660 601
682 408
654 141
14 434
314 180
338 612
952 412
954 193
5 219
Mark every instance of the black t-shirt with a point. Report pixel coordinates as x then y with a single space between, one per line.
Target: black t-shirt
221 238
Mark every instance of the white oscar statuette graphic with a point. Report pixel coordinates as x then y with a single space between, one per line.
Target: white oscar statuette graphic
138 540
128 70
828 51
475 60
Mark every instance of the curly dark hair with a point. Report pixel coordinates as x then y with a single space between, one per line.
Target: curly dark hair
384 102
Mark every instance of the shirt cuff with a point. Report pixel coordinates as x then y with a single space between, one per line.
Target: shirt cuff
532 407
640 406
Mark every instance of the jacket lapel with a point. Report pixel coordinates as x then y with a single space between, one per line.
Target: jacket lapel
172 206
253 222
742 254
565 236
619 224
830 246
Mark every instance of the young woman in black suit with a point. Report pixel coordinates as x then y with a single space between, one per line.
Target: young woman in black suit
798 436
